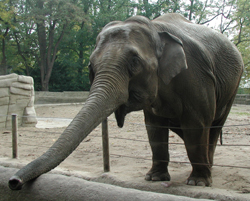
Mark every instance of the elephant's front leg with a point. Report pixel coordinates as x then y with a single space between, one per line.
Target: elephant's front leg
197 146
158 139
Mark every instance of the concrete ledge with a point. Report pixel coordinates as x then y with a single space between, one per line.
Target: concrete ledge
58 187
242 99
46 97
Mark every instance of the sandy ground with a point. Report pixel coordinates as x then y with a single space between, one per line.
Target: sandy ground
130 153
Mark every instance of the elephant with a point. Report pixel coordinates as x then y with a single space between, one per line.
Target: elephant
184 77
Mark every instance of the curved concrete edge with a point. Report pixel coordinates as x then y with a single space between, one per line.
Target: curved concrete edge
58 187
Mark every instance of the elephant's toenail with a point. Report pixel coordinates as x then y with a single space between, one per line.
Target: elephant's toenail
201 183
147 177
191 182
156 179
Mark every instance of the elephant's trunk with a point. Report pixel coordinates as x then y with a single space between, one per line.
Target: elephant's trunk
105 96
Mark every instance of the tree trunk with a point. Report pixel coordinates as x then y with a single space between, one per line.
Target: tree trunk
3 64
47 55
42 47
20 52
191 10
146 7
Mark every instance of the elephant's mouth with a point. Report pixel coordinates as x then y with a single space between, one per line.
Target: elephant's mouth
135 103
123 110
120 114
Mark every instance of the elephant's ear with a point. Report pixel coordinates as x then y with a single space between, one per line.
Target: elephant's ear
172 58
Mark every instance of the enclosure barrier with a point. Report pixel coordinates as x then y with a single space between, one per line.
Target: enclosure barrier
47 97
14 136
56 187
243 130
105 141
105 144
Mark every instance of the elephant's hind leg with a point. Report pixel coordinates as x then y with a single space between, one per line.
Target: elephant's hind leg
213 138
158 139
216 130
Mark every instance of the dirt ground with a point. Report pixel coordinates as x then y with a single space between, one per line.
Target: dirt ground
130 153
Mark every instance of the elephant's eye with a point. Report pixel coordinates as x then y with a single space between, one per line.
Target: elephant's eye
135 61
134 65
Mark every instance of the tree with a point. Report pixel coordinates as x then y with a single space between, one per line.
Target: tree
79 41
36 35
216 14
25 37
52 19
242 38
157 8
6 17
195 10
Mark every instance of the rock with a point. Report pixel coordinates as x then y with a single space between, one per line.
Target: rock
17 96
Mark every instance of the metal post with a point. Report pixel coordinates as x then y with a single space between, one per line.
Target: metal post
105 145
14 136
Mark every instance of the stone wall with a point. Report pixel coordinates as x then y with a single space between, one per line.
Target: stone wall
46 97
17 96
242 99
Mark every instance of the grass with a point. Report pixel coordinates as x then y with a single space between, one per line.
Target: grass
240 113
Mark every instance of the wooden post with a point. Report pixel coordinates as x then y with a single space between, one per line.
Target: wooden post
14 136
105 145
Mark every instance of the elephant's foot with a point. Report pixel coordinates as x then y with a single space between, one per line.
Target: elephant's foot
157 175
199 181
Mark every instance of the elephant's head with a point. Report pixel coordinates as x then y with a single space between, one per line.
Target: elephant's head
129 61
138 56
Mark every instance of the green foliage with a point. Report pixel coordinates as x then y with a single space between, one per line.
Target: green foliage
243 90
6 17
194 9
71 27
154 9
73 81
242 38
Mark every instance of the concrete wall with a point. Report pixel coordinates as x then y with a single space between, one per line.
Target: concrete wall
44 97
242 99
56 187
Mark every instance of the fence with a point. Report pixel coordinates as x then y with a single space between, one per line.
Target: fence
243 129
130 155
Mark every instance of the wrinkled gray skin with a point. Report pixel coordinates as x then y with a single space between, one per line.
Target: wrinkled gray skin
182 75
